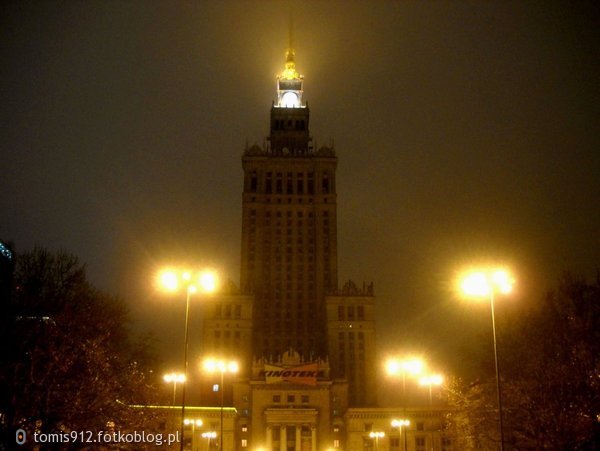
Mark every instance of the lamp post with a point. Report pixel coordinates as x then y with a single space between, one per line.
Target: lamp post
430 380
194 422
208 436
174 378
411 367
400 423
376 436
172 280
222 366
486 283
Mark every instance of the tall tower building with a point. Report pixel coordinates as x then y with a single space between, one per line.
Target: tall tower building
311 355
289 238
306 346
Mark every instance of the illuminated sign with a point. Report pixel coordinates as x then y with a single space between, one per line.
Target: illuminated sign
301 374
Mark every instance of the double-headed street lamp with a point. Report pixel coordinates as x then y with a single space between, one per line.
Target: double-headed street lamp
430 380
208 436
401 423
221 366
174 280
405 367
174 378
194 422
376 436
485 284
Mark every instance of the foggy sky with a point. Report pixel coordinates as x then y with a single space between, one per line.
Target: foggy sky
466 132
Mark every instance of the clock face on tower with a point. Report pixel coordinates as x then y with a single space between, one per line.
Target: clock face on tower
289 99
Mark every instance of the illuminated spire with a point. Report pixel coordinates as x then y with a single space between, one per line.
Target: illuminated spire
290 72
289 82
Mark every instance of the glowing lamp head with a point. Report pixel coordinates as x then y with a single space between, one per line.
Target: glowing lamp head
413 366
233 367
210 366
168 280
192 421
503 281
174 377
475 284
432 379
208 281
484 283
393 367
289 99
220 366
400 423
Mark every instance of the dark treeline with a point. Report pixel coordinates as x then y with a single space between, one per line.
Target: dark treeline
550 377
68 361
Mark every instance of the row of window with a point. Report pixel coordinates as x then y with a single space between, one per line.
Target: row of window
299 224
228 311
291 398
298 200
227 334
276 328
288 314
288 214
278 295
269 346
288 183
348 312
282 124
342 336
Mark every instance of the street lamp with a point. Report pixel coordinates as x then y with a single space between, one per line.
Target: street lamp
400 423
172 280
486 283
432 379
194 422
208 436
221 366
377 436
410 367
174 378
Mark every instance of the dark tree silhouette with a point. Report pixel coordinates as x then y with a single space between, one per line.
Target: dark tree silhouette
550 364
71 365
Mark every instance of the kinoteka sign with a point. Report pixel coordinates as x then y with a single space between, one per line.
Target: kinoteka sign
302 374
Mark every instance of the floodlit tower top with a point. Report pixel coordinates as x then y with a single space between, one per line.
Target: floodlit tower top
289 82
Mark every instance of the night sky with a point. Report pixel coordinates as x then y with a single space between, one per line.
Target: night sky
466 132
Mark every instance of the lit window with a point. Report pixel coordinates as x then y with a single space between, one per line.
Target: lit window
336 443
244 443
216 387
